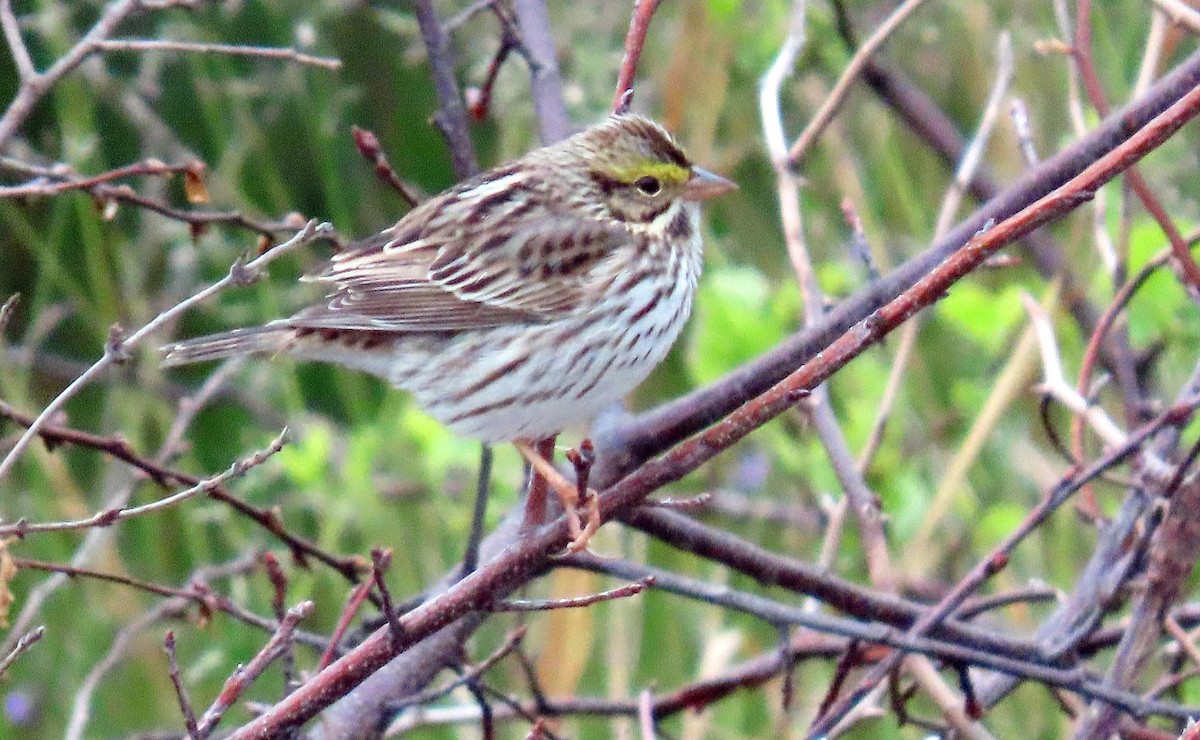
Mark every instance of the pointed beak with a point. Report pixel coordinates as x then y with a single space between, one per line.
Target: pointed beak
704 185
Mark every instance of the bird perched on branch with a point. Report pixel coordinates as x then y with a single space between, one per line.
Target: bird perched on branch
520 301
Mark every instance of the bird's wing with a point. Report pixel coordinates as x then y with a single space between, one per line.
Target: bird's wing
444 278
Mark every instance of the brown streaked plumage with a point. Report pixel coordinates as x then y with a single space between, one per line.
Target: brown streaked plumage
522 300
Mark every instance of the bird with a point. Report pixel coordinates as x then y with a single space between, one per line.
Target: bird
520 301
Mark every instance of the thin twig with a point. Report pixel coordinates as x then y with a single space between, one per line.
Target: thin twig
185 705
62 180
368 146
1024 130
451 116
380 560
6 312
479 511
279 586
119 348
838 94
259 52
246 675
109 517
26 72
354 602
635 39
22 645
646 715
119 448
196 592
534 605
511 643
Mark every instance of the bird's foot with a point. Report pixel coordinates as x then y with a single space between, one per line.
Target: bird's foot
568 493
581 534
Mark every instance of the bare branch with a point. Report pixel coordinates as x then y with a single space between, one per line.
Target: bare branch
239 274
112 516
621 592
241 679
635 39
193 47
26 640
185 705
451 117
838 94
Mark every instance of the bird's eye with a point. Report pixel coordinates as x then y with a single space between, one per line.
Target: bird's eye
648 185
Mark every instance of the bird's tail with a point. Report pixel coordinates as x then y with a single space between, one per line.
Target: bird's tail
252 341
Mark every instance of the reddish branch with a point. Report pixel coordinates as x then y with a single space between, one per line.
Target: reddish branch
1087 366
185 704
241 679
523 560
198 592
479 99
622 443
368 146
354 603
639 24
48 182
1082 52
55 181
118 448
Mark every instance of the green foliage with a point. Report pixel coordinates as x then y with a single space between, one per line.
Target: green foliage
739 315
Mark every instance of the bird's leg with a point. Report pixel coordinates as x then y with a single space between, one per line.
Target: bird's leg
567 492
478 518
535 499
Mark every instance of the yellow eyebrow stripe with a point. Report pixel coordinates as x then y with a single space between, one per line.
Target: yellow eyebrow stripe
664 171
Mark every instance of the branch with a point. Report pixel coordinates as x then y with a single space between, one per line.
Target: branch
451 116
117 348
23 644
111 516
244 676
635 39
258 52
544 83
623 442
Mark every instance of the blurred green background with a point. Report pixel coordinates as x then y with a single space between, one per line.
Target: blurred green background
366 468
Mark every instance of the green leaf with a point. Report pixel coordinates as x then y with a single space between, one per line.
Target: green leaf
986 315
739 315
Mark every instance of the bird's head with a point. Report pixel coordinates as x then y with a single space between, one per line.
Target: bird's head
637 173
